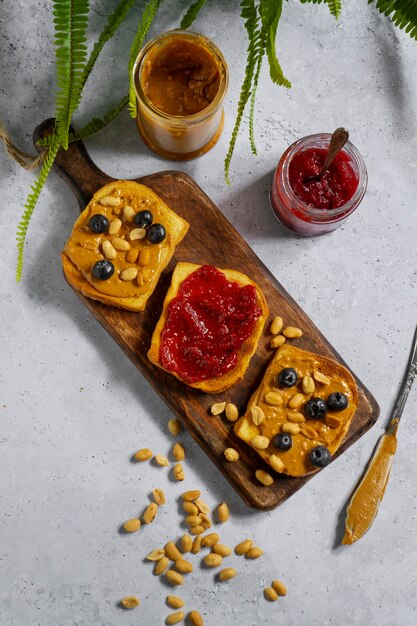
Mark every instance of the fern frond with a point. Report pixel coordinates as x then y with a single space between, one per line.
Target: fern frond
402 12
252 102
191 14
71 19
270 11
250 15
335 6
114 21
30 204
97 124
145 22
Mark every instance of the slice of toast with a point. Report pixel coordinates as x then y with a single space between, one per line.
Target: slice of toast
147 260
328 432
246 350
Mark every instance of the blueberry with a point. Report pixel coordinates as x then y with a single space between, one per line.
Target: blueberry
99 223
287 377
102 270
316 408
320 456
156 233
143 219
283 441
337 401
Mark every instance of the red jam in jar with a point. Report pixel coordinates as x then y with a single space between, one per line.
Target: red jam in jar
317 207
207 323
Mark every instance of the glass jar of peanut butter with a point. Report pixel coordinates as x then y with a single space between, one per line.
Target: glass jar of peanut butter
180 80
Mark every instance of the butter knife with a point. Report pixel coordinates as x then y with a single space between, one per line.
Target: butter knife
366 498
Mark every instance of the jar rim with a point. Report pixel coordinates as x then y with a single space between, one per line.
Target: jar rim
322 140
194 117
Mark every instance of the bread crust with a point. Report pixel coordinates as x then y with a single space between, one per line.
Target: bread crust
248 348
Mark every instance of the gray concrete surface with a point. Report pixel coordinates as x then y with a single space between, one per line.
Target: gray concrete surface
72 407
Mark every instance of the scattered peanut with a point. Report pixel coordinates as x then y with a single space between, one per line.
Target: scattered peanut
128 213
108 250
109 201
129 273
143 455
131 525
174 618
257 415
308 384
160 566
270 594
196 547
144 256
308 431
277 341
254 553
189 496
150 513
120 244
276 463
332 421
186 543
213 560
178 452
220 548
183 566
222 512
296 417
161 460
171 551
205 521
130 602
231 454
243 547
290 427
273 398
227 573
195 618
276 325
156 555
137 233
174 427
174 602
159 496
210 540
296 401
115 226
232 412
178 472
197 530
263 477
218 408
260 442
321 378
193 520
292 332
279 587
202 506
174 577
190 508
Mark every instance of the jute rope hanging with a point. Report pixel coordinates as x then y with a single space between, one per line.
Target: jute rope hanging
25 160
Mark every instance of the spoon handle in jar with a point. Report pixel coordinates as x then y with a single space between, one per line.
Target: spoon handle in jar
338 140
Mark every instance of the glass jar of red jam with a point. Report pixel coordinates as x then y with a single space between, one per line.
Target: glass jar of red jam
312 208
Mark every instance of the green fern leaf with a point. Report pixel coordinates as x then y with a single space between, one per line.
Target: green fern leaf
402 12
249 14
97 124
31 203
145 22
252 102
114 21
335 6
71 19
191 14
270 11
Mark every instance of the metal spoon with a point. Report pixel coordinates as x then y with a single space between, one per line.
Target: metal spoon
338 140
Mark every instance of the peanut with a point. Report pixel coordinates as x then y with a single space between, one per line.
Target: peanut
308 431
115 226
186 543
263 477
231 454
254 553
128 213
129 273
222 512
174 427
174 577
260 442
196 547
321 378
279 587
159 496
276 325
243 546
171 551
174 602
144 454
273 398
220 548
290 427
120 244
218 408
144 256
156 555
296 417
232 412
270 594
213 560
292 332
189 496
178 472
190 508
183 566
257 415
132 255
210 540
108 250
161 460
277 341
137 233
308 384
150 513
178 452
205 521
296 401
332 421
195 618
193 520
130 602
174 618
202 506
160 566
197 530
109 201
276 463
132 525
227 573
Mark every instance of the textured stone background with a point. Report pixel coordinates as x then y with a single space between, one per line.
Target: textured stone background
73 409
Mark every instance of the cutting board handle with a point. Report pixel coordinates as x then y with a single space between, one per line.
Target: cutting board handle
74 166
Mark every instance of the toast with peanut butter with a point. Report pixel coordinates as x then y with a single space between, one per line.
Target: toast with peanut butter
210 326
301 412
121 243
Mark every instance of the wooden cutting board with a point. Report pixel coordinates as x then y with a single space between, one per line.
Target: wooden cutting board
210 239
